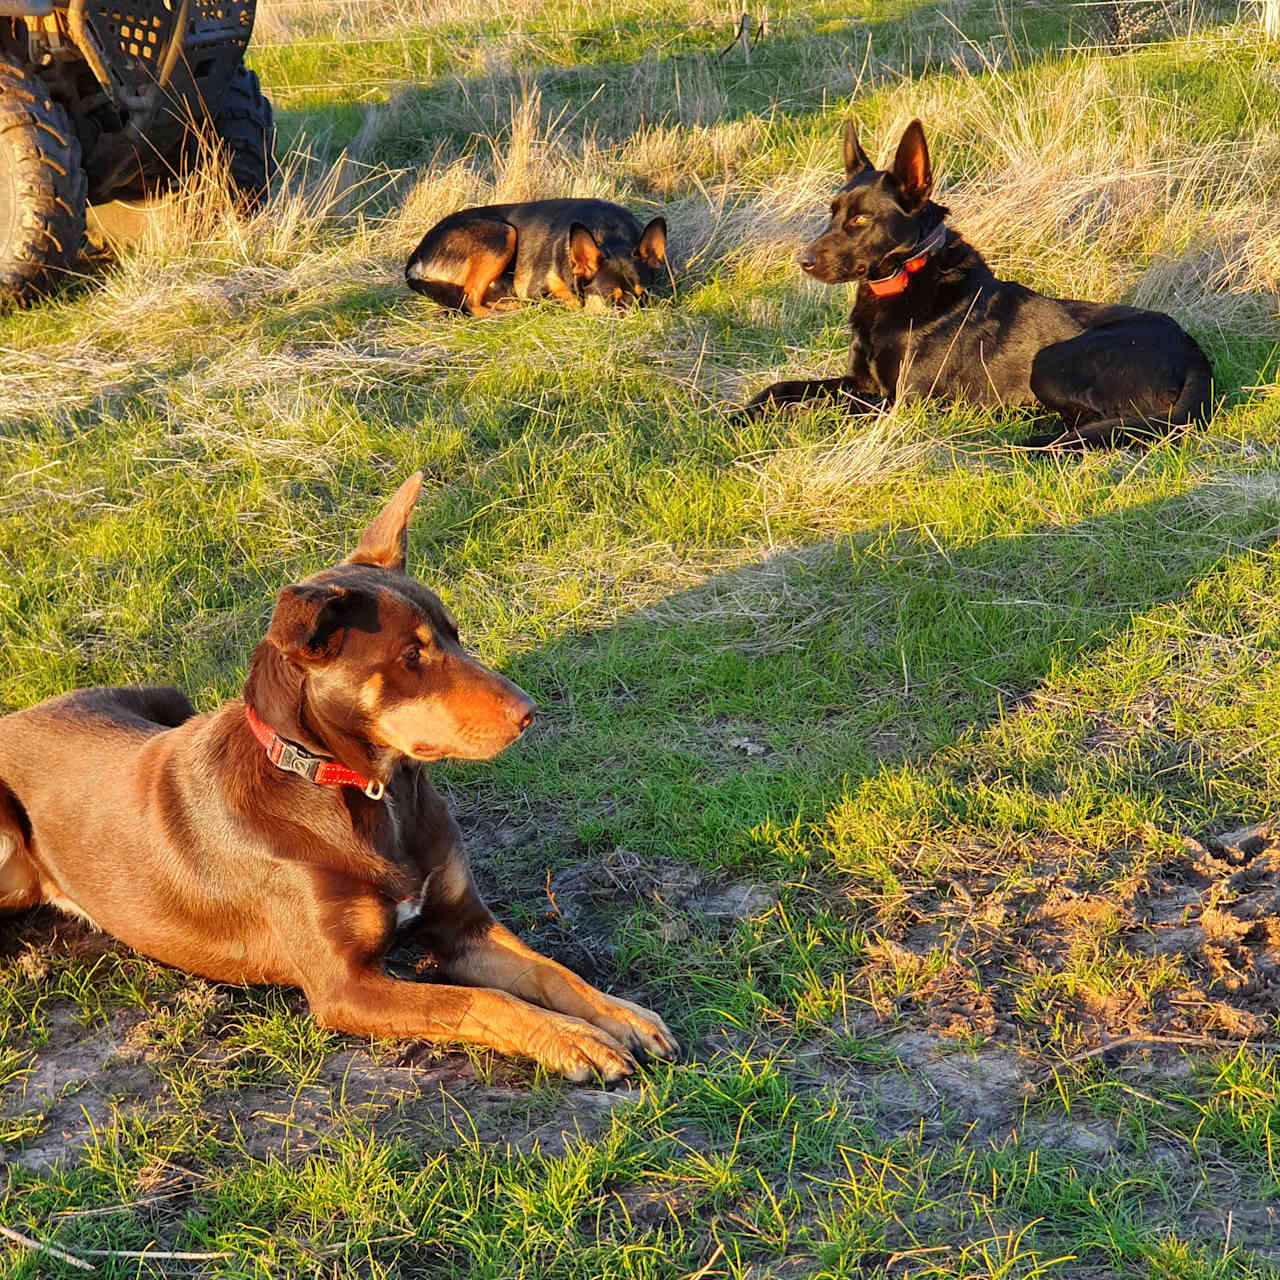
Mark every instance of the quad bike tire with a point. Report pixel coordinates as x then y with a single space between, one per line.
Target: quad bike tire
245 126
43 187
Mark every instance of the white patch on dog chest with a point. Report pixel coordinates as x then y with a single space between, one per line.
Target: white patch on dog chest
410 908
451 882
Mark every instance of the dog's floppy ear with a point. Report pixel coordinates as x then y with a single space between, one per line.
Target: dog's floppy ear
309 619
855 159
383 542
651 248
584 253
911 166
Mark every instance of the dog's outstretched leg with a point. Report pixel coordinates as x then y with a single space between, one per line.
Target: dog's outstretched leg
846 393
366 1002
497 958
473 948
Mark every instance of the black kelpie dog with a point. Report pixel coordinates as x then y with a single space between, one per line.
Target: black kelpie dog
566 249
930 319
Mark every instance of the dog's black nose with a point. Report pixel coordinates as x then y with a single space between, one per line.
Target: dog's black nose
521 712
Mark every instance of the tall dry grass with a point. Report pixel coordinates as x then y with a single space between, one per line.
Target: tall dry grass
1099 188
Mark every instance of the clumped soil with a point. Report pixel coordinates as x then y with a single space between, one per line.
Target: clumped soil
1085 952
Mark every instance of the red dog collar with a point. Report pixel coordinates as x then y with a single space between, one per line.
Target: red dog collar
293 759
887 286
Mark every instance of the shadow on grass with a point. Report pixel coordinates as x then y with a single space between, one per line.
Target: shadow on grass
746 727
841 657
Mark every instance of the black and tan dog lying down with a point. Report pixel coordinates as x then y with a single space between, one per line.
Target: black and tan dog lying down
575 251
931 320
290 835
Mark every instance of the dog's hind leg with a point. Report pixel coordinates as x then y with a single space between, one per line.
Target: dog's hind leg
457 267
449 296
846 393
1106 434
1122 384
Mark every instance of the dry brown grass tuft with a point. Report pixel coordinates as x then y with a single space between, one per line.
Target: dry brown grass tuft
1093 190
827 476
1077 191
522 26
775 605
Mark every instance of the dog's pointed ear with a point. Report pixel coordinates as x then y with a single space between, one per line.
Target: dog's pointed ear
384 542
584 253
911 166
651 248
855 159
308 621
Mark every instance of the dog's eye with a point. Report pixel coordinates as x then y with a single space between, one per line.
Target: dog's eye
859 220
411 657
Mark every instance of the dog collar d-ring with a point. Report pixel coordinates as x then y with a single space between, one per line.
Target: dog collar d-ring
291 758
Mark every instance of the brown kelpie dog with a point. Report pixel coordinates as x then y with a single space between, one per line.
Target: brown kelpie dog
573 250
930 319
288 836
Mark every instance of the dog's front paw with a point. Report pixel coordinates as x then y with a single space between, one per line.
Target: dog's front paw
784 397
640 1029
744 413
579 1050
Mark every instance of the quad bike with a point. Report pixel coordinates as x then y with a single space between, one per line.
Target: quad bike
109 99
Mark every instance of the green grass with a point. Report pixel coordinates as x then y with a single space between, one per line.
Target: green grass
970 722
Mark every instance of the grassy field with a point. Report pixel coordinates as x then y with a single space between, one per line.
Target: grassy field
926 788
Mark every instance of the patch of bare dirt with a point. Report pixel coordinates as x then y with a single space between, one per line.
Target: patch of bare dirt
589 897
1084 951
429 1099
1254 1224
74 1083
633 1210
729 744
926 1080
84 1080
908 1081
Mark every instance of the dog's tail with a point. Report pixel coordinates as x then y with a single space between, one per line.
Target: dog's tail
1190 409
